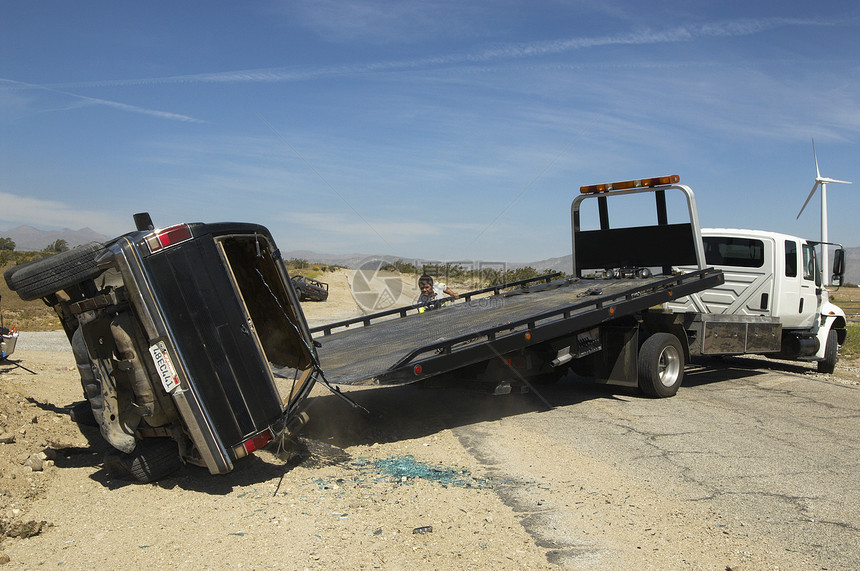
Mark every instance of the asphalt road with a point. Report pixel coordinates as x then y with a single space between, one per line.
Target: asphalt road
770 447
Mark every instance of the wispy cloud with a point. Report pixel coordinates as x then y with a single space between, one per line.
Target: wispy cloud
83 100
683 33
384 22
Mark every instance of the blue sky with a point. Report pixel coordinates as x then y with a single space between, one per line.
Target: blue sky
441 130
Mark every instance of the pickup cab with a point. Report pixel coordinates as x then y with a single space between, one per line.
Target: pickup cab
190 341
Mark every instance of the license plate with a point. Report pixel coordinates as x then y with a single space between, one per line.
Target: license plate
166 372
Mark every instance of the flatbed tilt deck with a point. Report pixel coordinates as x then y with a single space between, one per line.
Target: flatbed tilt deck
607 324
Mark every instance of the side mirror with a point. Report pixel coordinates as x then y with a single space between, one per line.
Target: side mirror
142 221
838 267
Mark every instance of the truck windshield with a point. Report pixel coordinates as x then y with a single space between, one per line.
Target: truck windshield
731 251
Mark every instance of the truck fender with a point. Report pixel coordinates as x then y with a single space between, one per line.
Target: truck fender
832 318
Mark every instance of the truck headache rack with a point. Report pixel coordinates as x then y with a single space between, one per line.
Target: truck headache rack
661 245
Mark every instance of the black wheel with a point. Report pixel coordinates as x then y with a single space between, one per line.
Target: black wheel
152 460
661 365
828 364
49 275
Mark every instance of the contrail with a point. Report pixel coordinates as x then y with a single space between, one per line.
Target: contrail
105 102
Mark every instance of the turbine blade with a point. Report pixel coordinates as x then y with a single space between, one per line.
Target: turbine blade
829 180
815 156
808 198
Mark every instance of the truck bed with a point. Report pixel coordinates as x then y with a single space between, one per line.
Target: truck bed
412 345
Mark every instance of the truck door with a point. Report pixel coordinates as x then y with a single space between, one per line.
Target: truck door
798 301
807 308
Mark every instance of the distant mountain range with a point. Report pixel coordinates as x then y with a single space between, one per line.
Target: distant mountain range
29 238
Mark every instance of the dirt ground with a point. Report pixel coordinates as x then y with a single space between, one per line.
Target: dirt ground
391 502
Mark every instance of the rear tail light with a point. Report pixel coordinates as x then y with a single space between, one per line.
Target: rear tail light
168 237
253 443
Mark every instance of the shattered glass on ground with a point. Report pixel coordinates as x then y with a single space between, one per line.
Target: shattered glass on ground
402 469
405 468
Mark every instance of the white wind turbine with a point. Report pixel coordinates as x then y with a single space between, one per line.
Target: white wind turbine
821 181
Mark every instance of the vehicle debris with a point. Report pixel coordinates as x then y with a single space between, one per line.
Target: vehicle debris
8 336
310 289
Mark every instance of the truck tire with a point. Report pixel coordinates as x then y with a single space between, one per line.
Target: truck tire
661 365
831 351
49 275
152 460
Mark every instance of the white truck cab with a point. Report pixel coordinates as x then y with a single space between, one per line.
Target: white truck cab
773 275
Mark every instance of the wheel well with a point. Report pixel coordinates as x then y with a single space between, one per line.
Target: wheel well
839 326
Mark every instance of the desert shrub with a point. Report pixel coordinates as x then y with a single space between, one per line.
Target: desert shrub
851 348
400 266
57 247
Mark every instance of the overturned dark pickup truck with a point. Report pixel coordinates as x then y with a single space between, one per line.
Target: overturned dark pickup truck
190 341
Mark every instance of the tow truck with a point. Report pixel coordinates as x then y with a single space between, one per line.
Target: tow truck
642 300
609 324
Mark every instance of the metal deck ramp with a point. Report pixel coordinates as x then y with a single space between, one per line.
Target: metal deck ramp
407 347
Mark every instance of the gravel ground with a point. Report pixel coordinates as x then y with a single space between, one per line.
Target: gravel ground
51 341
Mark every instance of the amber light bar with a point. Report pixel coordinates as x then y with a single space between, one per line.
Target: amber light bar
628 184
